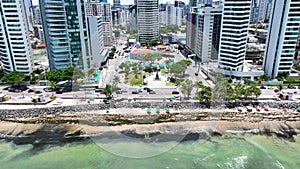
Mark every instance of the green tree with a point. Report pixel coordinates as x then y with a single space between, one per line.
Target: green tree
186 88
264 77
255 90
178 68
198 85
52 84
73 73
108 90
14 78
205 94
290 80
117 33
187 62
91 72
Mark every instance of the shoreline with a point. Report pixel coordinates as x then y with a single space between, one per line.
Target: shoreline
135 123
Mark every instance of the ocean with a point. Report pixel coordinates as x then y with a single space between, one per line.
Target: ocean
226 152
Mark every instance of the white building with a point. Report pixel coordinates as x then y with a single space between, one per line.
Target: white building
280 50
265 7
95 27
173 15
37 19
208 36
15 48
97 8
147 20
234 31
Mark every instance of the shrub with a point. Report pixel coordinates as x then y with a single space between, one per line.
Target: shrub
52 97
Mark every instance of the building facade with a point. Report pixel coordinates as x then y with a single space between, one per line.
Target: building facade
208 36
254 11
65 29
97 8
147 20
280 50
173 15
191 28
265 7
15 48
234 31
95 33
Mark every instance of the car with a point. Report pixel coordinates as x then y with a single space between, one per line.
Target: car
291 87
11 89
152 92
30 91
298 87
175 92
48 89
6 88
262 87
99 90
196 74
134 92
18 91
37 92
140 91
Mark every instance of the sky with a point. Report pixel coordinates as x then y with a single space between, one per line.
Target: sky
124 2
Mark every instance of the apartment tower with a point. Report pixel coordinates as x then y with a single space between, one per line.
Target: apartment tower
234 31
147 20
282 37
15 48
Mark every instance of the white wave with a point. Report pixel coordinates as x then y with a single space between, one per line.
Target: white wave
235 163
279 165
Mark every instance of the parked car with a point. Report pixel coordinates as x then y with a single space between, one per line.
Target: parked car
175 92
11 89
262 87
37 92
152 92
30 91
18 91
196 74
134 92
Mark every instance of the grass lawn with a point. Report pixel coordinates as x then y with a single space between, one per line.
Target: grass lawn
133 80
170 84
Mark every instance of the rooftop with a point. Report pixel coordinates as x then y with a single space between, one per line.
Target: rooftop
141 51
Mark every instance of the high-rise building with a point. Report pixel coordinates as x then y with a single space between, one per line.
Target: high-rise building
234 31
96 8
95 33
193 3
254 11
117 3
37 19
147 20
65 29
191 28
282 37
265 7
173 15
15 48
208 36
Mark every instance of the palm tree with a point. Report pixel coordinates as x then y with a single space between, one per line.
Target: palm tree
198 85
116 81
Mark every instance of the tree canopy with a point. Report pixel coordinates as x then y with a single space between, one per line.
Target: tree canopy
71 73
108 90
177 68
14 77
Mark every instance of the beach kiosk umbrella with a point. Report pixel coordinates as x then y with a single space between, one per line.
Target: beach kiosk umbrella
107 110
148 110
162 65
298 109
104 100
172 98
134 99
164 99
127 62
157 110
167 110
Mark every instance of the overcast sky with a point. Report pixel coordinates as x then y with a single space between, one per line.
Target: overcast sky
125 2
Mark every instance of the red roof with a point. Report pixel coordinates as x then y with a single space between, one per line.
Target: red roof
141 51
160 47
41 45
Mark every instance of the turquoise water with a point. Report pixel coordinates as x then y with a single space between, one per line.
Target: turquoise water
253 152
